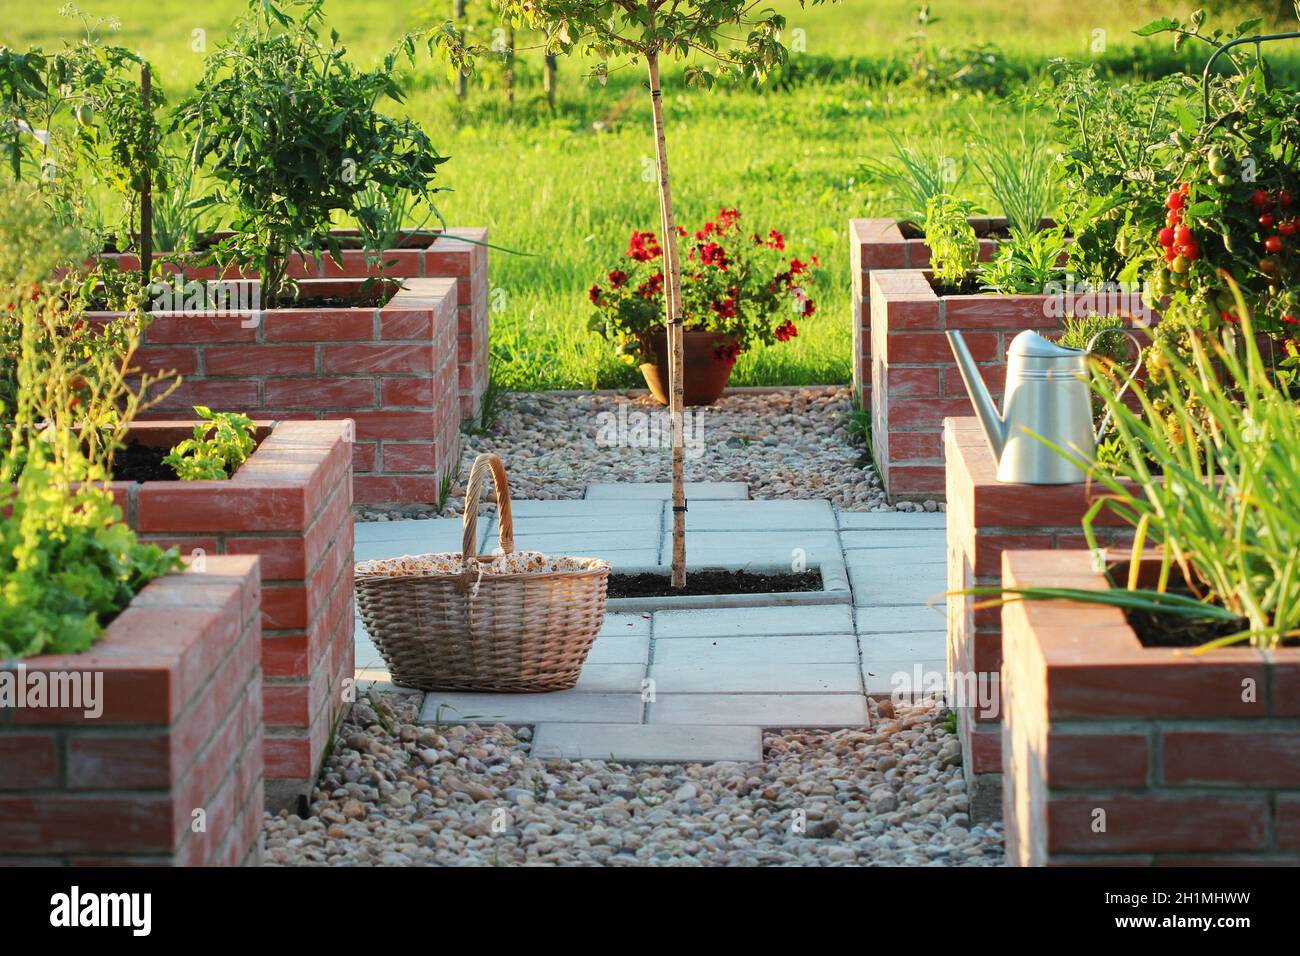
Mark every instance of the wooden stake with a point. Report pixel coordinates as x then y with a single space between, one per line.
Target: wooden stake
548 79
461 83
673 290
146 194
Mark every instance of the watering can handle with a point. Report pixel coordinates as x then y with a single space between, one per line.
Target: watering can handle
1137 367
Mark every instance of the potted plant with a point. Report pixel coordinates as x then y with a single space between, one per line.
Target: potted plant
739 288
1185 648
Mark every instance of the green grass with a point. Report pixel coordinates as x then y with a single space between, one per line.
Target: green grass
569 188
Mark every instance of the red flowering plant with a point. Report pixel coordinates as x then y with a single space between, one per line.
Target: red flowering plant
742 286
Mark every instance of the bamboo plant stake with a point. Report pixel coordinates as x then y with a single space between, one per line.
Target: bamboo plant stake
673 325
146 192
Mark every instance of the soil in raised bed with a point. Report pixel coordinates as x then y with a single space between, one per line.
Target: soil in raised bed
141 463
1173 630
652 584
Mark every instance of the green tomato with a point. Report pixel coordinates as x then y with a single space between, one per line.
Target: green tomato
84 114
1181 265
1218 163
1225 180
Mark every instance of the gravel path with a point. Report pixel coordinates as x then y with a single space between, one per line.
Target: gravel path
791 443
407 793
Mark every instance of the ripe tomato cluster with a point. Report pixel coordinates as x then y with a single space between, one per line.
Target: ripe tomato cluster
1180 244
1277 225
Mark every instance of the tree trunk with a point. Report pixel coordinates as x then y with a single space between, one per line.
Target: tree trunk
510 68
673 290
548 79
461 83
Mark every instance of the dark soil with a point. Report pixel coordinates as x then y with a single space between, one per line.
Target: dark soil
970 287
649 584
141 463
1172 630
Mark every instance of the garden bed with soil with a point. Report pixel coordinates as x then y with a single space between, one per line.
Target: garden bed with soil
289 503
710 581
1190 759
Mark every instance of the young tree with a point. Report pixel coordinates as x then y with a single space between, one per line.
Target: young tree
714 38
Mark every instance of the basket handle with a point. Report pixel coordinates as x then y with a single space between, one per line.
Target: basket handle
485 464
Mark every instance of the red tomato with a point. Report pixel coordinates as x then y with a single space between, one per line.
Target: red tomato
1287 228
1267 220
1183 235
1273 244
1176 200
1284 198
1191 250
1260 199
1167 236
1173 218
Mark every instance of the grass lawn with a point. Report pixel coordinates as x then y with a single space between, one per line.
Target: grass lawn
568 188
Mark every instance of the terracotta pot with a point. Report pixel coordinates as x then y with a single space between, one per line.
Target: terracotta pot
705 376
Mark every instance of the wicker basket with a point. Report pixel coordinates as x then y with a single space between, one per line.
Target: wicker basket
473 627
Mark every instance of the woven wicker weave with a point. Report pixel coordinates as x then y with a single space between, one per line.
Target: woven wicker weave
474 630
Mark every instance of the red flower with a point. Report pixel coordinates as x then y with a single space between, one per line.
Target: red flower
713 254
775 240
652 287
808 307
617 278
643 247
785 331
796 267
725 309
594 294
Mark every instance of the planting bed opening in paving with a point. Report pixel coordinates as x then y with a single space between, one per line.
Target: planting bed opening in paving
712 581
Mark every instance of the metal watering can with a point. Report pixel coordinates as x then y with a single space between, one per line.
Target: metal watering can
1047 395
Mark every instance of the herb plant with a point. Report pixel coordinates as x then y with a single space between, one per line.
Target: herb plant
954 247
220 444
1019 173
913 175
293 137
1025 263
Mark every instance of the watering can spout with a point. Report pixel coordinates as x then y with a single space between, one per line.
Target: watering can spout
995 426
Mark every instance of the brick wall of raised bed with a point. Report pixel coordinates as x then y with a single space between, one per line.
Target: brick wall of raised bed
460 254
180 731
882 244
985 518
290 504
391 370
1122 755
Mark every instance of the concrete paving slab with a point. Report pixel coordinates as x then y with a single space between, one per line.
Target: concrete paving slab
620 650
916 646
760 710
757 547
750 621
726 652
907 677
898 620
756 677
413 537
629 743
551 507
622 625
879 520
568 706
582 524
663 490
774 515
611 678
876 585
921 542
588 543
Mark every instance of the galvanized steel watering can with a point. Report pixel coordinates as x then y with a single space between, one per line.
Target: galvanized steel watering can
1047 395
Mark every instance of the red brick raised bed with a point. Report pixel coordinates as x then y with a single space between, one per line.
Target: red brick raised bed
458 254
392 370
290 503
1122 755
890 244
985 518
180 731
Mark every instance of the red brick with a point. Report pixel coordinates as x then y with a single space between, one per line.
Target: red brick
410 456
911 446
282 557
1157 824
364 454
406 323
1251 757
1000 312
260 360
1096 760
250 506
119 763
28 761
153 360
223 395
914 382
185 329
377 489
319 393
925 412
55 823
378 359
319 325
413 391
1287 824
419 424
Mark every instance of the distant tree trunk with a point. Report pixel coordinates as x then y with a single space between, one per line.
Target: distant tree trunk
673 290
461 82
510 67
548 79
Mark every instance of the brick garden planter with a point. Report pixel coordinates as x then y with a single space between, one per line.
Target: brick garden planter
180 730
1119 754
459 254
891 244
392 370
985 518
290 504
